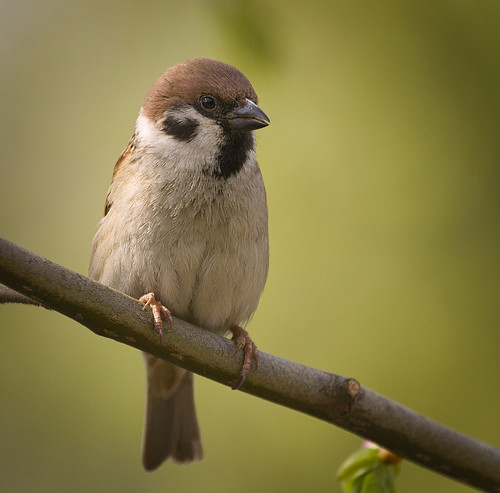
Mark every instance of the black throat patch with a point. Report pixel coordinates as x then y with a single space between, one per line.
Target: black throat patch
233 154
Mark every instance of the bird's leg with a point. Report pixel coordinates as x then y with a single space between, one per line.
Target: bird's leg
250 353
158 310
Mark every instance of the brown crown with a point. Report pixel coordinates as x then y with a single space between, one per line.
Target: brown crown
186 82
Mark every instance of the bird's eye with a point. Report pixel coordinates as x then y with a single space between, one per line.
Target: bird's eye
208 102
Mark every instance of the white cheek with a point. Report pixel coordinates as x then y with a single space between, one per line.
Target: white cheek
201 150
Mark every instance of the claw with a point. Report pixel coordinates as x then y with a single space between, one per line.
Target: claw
250 353
158 310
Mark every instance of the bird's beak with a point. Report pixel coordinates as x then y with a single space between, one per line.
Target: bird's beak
247 116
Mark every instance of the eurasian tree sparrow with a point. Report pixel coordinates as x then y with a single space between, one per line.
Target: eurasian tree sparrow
185 230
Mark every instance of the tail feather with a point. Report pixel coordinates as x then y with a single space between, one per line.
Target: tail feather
171 428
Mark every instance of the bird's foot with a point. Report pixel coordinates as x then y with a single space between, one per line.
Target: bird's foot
250 353
158 310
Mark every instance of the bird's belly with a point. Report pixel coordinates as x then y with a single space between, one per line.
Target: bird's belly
214 286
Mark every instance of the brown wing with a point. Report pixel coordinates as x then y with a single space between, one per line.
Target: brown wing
124 158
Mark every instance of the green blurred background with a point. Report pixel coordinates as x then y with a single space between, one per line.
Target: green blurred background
382 171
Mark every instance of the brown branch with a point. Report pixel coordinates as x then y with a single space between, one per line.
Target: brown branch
336 399
8 295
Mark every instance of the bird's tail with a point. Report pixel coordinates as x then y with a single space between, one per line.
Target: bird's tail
171 428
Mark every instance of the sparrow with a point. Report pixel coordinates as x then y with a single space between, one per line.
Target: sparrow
185 230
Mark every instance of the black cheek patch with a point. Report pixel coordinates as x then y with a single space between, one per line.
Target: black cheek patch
184 130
